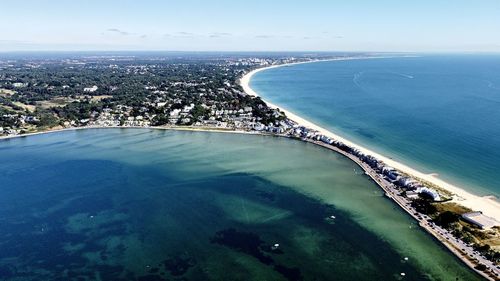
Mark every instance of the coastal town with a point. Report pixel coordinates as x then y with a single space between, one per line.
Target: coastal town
123 91
204 93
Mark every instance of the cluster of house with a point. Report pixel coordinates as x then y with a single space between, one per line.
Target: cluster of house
19 119
222 118
182 115
281 127
254 61
413 188
240 119
268 61
109 118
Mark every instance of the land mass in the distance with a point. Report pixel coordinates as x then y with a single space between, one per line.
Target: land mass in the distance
202 92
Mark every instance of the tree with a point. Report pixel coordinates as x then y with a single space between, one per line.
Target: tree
424 206
160 120
198 112
446 218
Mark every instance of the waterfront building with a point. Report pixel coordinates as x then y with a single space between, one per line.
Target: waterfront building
430 192
477 218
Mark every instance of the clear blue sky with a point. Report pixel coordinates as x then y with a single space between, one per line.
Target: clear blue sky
257 25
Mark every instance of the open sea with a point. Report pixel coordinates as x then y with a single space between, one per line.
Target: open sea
439 114
142 204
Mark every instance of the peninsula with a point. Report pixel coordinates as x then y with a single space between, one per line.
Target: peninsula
213 93
396 179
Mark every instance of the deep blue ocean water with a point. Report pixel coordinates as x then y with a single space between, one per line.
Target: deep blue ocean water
440 114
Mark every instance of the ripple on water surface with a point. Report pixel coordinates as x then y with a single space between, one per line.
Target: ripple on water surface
155 205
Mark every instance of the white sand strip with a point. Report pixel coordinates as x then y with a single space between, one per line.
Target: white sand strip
488 205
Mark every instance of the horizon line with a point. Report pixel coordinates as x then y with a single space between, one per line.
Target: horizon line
245 51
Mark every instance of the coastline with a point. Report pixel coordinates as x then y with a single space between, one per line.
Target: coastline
489 205
168 128
438 233
486 204
97 131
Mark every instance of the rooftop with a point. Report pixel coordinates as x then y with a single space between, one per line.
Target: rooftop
481 220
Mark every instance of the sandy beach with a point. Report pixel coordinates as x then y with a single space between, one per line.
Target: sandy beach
489 206
486 204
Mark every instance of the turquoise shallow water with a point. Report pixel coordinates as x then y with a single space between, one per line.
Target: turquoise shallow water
139 204
437 113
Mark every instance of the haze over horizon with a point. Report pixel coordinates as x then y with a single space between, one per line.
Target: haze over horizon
153 140
192 25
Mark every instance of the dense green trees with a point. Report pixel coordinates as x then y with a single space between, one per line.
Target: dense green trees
446 219
424 206
47 119
199 112
138 84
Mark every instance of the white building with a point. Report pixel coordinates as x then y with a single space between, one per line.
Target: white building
19 85
431 192
480 220
91 89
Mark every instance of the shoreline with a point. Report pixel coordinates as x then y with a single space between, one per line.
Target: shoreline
167 128
439 234
436 232
489 205
486 204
